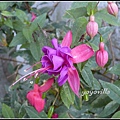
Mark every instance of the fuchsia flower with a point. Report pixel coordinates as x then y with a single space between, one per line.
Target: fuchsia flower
33 17
59 60
101 55
112 8
92 27
35 96
55 115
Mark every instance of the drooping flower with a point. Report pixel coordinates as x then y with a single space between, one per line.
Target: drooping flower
92 27
33 17
59 61
112 8
35 96
55 115
101 55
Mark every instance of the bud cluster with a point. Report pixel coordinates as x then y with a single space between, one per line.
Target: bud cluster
101 55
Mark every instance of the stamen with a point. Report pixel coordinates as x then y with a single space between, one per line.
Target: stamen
24 79
32 66
27 76
36 75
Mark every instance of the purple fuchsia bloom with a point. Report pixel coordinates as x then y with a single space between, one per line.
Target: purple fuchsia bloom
59 60
101 55
92 27
112 8
35 96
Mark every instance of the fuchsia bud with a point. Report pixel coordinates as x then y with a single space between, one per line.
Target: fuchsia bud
92 27
101 55
33 17
55 115
112 8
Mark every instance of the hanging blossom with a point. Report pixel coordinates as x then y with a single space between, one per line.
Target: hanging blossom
101 55
92 27
112 8
59 61
35 96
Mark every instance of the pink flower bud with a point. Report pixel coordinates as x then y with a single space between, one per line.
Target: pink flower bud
92 27
112 8
55 115
101 55
33 17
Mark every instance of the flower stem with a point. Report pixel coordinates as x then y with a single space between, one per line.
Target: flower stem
56 97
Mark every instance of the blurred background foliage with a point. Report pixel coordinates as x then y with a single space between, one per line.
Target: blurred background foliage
16 29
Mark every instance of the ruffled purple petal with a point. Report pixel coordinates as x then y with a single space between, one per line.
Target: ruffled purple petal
47 50
55 72
57 62
65 51
46 61
63 76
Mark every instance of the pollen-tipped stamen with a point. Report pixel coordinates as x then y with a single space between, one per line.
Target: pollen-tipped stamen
41 70
32 66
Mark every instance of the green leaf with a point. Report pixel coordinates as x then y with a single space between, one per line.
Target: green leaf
91 63
40 20
35 50
89 78
65 99
86 74
96 84
97 102
21 15
17 40
63 115
95 47
32 113
109 109
27 32
7 112
99 21
117 83
6 13
114 91
75 13
116 115
78 5
104 15
8 22
4 5
61 109
78 29
18 25
78 103
115 69
20 111
69 94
